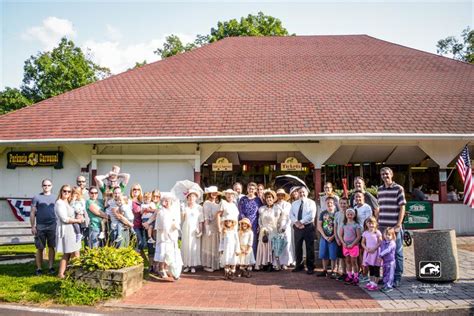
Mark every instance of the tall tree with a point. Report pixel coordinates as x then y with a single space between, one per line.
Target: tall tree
172 46
252 25
12 99
64 68
460 49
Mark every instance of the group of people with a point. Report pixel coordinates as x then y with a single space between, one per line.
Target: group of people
261 230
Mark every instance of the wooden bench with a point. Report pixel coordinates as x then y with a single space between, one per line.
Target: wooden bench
16 233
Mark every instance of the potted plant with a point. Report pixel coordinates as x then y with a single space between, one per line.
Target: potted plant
109 268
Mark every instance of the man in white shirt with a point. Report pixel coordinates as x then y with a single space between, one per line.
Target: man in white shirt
302 214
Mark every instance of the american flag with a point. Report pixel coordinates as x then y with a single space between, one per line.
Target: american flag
465 171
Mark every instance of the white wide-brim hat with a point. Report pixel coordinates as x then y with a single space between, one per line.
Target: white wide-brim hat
168 196
192 191
211 189
230 191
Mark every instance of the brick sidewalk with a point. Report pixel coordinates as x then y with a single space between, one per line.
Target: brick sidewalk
300 293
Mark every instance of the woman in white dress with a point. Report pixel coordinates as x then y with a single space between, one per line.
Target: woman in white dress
284 227
268 216
210 237
192 219
66 241
168 222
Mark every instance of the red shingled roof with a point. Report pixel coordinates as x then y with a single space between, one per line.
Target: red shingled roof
265 86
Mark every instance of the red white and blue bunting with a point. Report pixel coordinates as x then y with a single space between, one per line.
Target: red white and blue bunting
21 208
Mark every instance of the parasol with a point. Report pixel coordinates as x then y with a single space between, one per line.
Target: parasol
287 181
181 189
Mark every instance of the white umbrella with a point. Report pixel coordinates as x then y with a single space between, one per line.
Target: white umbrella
181 189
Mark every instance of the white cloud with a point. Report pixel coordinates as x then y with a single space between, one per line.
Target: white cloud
112 33
118 57
50 31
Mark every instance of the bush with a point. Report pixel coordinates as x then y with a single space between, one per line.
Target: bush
78 293
107 258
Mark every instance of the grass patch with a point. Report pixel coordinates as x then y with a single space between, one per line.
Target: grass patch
18 284
17 249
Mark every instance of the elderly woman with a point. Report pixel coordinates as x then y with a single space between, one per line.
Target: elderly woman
66 241
95 210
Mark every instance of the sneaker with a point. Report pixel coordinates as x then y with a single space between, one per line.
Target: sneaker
342 277
101 235
355 281
208 270
373 287
51 271
386 289
193 270
368 285
186 270
284 267
38 272
151 241
163 274
348 280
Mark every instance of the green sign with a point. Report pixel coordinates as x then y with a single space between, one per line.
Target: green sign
419 215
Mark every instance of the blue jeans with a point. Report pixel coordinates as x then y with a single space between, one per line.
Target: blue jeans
93 240
141 238
399 256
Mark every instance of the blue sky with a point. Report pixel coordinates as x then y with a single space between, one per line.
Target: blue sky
119 33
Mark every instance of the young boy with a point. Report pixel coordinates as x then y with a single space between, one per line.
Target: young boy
327 242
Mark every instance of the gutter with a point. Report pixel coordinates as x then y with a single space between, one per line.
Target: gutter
302 138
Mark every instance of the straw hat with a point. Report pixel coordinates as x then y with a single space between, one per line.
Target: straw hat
195 192
229 191
293 189
211 189
168 196
282 191
266 192
246 221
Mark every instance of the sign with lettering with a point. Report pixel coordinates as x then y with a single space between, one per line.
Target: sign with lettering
419 215
35 159
291 164
222 164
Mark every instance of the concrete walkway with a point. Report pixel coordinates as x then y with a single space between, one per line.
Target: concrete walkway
298 293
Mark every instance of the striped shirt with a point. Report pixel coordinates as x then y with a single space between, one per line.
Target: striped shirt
390 199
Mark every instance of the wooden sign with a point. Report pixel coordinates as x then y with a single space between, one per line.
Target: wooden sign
35 159
291 164
222 164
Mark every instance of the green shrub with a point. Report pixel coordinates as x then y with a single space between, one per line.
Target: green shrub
107 258
78 293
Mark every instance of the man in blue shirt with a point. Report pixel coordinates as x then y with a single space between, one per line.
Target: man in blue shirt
43 225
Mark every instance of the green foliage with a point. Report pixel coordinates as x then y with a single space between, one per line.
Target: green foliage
12 99
138 64
252 25
107 258
64 68
79 293
460 50
173 46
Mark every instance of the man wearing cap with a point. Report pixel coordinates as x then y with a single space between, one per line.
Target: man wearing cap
302 214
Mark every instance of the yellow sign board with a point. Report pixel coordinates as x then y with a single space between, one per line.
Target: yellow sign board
291 164
222 164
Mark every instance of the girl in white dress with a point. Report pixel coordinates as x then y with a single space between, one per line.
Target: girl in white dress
284 227
229 247
246 257
268 223
168 222
192 217
210 237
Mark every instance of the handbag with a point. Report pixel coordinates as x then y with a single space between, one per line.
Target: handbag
265 237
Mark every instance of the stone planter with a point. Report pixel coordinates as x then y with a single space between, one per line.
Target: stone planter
436 255
125 281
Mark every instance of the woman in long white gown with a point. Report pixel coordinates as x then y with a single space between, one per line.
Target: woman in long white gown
192 221
284 227
210 238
